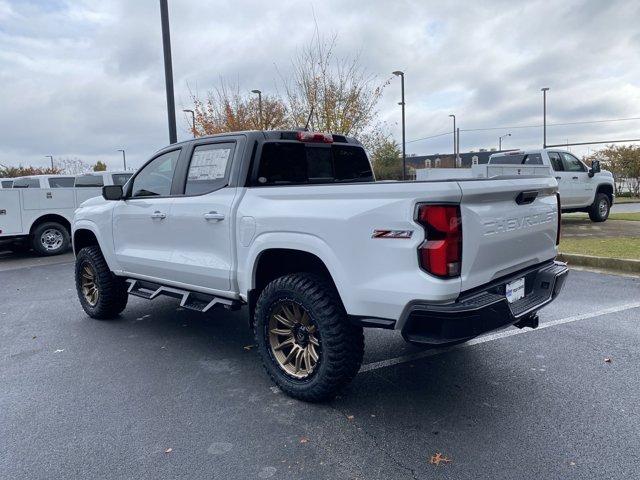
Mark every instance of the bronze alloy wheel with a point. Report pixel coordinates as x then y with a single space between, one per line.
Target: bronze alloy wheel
88 283
294 339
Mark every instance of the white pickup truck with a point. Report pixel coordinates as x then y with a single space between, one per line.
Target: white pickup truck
36 211
293 225
582 188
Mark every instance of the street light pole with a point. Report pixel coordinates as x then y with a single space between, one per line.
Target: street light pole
544 116
500 140
454 141
193 120
400 74
259 107
124 158
168 71
51 157
458 158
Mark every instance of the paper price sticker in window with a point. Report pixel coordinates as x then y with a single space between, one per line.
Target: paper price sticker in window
209 164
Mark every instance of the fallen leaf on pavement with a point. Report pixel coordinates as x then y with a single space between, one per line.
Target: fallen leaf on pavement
607 360
59 350
304 440
438 458
168 450
349 417
249 347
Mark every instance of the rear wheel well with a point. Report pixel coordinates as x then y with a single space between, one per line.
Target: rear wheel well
607 190
277 262
84 238
51 218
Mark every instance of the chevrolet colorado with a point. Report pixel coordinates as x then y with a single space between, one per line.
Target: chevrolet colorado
293 225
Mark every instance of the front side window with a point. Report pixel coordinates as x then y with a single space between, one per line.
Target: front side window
61 182
26 183
209 168
154 180
556 161
571 163
86 181
284 163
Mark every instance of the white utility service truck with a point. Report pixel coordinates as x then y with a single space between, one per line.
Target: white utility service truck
582 188
36 212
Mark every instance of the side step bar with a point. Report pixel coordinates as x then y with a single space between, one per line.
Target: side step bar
200 302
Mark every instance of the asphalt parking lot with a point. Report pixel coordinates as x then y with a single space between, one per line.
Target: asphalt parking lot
168 393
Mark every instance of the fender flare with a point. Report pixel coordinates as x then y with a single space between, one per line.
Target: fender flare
292 241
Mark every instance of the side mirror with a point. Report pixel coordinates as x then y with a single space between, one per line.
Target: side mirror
595 168
112 192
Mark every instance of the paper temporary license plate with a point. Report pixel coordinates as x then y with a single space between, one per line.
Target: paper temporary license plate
515 290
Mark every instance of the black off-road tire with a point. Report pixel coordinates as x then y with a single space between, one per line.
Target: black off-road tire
600 209
41 230
112 290
341 343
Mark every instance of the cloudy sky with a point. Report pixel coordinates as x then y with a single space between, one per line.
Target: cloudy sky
84 78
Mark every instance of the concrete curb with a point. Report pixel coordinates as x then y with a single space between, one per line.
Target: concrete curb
618 264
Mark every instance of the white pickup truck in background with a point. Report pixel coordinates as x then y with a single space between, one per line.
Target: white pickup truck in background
582 188
36 211
293 225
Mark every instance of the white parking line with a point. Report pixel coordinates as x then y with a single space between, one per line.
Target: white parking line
494 336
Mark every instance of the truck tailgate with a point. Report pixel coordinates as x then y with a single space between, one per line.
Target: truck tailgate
504 229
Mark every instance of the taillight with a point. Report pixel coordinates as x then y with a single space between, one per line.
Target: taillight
559 219
441 252
317 137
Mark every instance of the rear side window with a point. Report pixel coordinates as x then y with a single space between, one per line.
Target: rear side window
86 181
285 163
7 183
209 168
556 162
26 183
120 178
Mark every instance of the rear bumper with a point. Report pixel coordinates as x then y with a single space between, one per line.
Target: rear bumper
484 309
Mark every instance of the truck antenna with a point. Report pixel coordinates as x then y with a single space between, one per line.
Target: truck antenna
306 127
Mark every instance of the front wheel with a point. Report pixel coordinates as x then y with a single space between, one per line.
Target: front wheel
101 294
600 209
307 345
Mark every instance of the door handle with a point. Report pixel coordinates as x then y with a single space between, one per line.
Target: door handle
558 178
159 215
575 178
214 216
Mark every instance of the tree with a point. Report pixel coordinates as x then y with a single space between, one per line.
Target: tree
387 161
20 171
335 94
226 110
99 166
624 163
72 166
